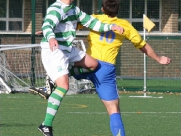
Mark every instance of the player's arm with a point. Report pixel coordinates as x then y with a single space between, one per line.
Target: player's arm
148 50
52 18
132 34
92 23
39 32
79 26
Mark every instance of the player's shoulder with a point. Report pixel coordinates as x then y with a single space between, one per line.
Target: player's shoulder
123 21
54 6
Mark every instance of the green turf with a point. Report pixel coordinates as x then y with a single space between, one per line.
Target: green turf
84 115
153 85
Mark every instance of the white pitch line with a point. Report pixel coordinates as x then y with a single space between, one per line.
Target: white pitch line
145 97
153 112
138 112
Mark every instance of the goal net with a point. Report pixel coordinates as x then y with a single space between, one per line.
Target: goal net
21 68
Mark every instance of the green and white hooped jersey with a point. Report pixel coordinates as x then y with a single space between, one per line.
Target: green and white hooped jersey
61 23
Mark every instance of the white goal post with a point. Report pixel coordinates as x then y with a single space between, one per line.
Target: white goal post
21 66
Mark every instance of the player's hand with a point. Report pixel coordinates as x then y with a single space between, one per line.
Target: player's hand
39 32
53 44
117 28
164 60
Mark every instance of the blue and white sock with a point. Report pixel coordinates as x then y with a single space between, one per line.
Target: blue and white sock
116 125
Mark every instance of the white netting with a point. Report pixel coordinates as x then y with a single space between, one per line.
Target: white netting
21 68
80 86
9 82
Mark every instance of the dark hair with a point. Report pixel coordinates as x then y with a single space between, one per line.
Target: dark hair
111 7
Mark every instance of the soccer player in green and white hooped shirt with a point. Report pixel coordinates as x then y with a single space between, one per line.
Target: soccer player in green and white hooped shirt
59 30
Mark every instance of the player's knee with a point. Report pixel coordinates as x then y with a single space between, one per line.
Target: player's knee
94 65
63 82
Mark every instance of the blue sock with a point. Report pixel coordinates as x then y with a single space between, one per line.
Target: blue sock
116 125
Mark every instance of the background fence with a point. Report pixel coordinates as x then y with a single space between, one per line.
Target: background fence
129 67
159 77
19 23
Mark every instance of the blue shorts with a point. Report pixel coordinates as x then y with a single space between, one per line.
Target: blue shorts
104 80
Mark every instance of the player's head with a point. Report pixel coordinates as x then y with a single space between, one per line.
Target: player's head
110 7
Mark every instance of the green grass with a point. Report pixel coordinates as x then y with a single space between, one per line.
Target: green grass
153 85
85 115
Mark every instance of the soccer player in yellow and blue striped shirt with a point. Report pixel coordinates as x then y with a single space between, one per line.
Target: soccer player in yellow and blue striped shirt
105 47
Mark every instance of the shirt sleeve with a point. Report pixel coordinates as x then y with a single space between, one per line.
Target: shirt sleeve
91 22
132 35
51 19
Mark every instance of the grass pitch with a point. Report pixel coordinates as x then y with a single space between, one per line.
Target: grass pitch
85 115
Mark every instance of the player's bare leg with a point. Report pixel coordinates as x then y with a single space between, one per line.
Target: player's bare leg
87 62
112 106
86 65
113 110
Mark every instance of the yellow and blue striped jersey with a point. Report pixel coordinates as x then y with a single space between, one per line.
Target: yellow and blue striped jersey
105 46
